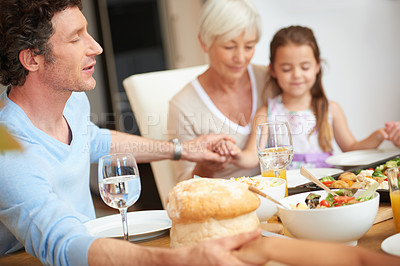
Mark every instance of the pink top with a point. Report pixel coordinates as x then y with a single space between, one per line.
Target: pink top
306 150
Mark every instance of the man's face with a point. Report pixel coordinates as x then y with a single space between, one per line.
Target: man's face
73 52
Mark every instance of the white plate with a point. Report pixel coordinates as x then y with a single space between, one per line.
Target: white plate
391 245
362 157
294 178
141 225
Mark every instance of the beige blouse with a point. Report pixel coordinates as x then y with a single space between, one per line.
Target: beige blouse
192 113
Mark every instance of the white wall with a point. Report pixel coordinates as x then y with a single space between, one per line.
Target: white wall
179 20
360 42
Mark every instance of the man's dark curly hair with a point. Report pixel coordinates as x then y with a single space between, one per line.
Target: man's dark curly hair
26 24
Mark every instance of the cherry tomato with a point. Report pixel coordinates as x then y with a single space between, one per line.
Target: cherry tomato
342 199
324 203
327 183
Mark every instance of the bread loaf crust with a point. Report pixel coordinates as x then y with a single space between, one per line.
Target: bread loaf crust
193 233
197 200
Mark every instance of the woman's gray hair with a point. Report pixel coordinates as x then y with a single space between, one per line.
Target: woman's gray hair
227 19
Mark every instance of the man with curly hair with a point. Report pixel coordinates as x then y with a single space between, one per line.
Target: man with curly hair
47 60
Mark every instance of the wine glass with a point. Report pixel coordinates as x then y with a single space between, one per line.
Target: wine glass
119 183
274 148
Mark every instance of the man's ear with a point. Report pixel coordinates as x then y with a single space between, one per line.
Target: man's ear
29 60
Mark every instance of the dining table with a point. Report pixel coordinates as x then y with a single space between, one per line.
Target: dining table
382 228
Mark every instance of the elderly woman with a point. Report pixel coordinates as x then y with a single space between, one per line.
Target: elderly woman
225 97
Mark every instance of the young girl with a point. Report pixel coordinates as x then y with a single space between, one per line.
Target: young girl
296 76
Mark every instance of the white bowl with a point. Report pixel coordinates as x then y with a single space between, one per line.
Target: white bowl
338 224
267 208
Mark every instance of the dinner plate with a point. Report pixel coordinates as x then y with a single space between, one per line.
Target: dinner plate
391 245
141 225
294 178
361 157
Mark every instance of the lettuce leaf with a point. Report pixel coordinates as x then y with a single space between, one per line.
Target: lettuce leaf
369 193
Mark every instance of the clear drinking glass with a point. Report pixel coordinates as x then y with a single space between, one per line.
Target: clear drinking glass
119 184
394 186
274 148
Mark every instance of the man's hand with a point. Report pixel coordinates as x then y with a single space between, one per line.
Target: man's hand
201 149
221 251
254 252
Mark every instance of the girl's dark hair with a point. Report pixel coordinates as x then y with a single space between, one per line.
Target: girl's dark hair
299 35
26 24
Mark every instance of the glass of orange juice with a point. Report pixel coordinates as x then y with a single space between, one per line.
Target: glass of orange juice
394 186
274 148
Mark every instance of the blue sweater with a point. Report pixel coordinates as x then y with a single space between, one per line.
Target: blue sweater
44 193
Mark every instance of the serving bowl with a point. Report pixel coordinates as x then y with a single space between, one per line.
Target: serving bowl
337 224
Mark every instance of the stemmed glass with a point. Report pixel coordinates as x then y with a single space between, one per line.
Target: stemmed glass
274 148
119 183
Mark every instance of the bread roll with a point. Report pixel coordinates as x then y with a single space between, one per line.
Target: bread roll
206 208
